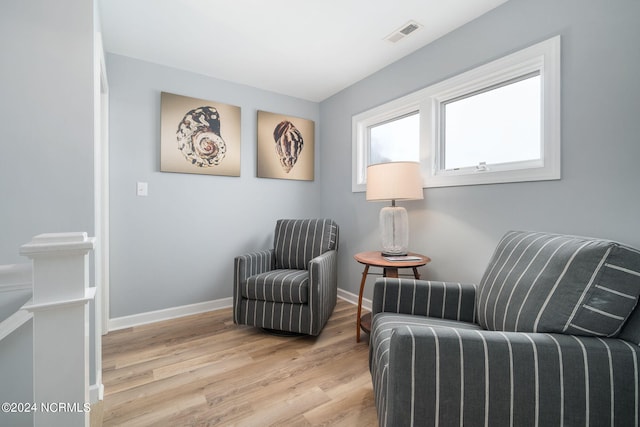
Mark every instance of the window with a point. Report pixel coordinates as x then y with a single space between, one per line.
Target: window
497 123
396 140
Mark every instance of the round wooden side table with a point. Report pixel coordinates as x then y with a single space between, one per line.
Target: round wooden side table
389 269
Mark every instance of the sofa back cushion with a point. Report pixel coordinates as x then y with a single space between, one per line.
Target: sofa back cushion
542 282
298 241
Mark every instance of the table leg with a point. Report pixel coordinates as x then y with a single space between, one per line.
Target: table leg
391 272
415 273
364 279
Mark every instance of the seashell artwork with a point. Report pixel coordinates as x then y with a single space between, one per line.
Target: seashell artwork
199 137
286 147
289 144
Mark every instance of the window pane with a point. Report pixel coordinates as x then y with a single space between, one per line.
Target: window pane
396 140
500 125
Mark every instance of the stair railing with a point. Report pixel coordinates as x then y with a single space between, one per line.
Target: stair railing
60 312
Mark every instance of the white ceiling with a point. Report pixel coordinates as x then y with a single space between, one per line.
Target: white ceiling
309 49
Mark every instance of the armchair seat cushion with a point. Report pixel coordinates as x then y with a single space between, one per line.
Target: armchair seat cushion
286 285
385 322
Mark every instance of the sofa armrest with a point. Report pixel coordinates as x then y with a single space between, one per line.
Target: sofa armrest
445 300
475 377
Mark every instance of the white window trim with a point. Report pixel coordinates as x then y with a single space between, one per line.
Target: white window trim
544 56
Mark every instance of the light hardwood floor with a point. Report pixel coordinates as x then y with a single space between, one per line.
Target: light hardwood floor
203 370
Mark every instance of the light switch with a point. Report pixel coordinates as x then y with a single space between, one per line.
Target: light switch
142 189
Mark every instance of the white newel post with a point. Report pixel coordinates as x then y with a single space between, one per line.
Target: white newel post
60 327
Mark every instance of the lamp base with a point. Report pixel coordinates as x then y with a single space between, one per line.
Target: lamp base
394 230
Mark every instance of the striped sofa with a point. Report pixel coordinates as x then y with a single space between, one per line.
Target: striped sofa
550 337
292 287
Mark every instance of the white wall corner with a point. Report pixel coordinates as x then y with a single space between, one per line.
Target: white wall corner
96 393
353 299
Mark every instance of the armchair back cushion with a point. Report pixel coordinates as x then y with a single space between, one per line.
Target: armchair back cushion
542 282
298 241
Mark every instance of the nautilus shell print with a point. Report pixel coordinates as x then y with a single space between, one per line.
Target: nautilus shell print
289 144
199 137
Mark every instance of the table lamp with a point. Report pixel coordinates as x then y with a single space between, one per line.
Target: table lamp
394 181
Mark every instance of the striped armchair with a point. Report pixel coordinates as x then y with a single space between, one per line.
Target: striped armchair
292 287
550 337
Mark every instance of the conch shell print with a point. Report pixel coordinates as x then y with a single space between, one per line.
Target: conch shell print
199 137
289 144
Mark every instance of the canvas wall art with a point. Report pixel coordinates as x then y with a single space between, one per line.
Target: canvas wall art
199 136
285 147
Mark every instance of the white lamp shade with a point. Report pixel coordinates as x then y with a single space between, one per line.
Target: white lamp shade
394 181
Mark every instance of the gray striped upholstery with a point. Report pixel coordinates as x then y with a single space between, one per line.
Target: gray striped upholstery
299 241
278 286
454 376
446 370
453 301
268 295
385 324
631 330
540 282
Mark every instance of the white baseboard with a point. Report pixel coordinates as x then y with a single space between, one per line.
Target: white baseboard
201 307
353 299
96 393
168 313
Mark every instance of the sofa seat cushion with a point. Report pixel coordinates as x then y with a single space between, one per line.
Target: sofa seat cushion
542 282
289 286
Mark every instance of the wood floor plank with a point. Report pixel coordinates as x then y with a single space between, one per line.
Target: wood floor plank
203 370
349 409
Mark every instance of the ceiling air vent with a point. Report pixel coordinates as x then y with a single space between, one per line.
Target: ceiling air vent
403 31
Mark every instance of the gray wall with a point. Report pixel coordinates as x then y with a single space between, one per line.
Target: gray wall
47 124
16 374
176 246
458 227
46 117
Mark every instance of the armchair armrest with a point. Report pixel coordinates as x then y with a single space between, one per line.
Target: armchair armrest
444 300
323 270
323 288
252 263
245 266
461 376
